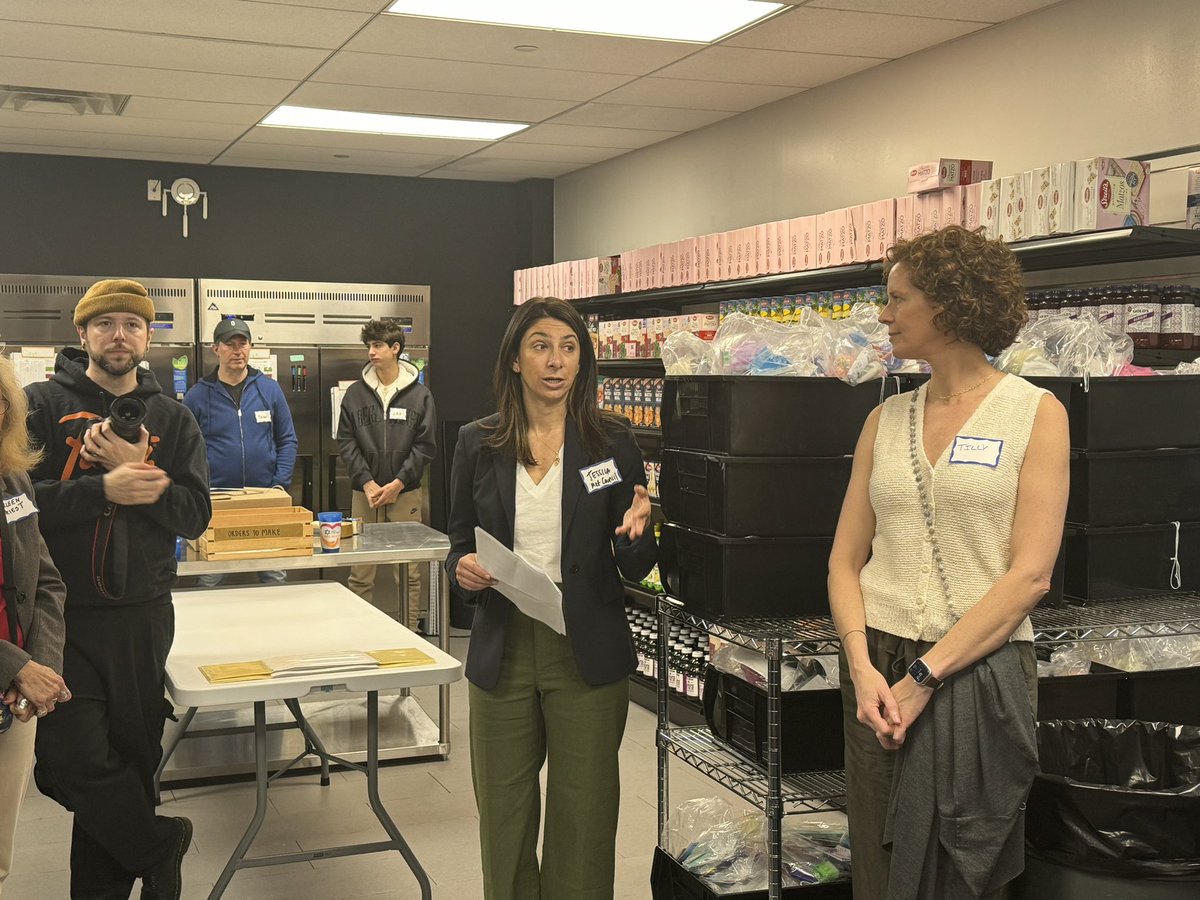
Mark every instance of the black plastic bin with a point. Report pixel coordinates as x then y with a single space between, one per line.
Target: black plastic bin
671 881
768 496
810 723
1125 561
1165 695
1133 487
1119 798
767 415
722 576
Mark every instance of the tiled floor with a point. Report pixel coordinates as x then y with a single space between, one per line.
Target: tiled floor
431 803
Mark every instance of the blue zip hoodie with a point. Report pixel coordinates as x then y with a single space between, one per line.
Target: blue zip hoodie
254 446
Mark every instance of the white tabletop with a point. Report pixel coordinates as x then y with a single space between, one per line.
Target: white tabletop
240 624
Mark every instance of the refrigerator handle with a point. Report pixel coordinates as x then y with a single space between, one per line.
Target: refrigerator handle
332 470
306 481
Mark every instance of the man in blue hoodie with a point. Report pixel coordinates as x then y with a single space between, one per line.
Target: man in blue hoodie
246 423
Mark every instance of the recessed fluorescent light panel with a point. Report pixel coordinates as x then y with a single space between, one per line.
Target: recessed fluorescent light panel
382 123
704 21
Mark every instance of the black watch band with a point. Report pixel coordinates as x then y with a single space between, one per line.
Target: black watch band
923 676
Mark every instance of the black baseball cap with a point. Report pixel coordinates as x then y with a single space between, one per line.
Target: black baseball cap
230 328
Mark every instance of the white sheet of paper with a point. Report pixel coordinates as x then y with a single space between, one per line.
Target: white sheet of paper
530 589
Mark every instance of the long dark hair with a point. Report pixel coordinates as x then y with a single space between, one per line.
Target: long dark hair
510 435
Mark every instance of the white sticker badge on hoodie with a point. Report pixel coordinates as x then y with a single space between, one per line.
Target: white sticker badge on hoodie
398 414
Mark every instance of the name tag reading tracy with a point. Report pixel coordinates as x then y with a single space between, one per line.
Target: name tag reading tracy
976 451
601 475
398 414
262 415
18 508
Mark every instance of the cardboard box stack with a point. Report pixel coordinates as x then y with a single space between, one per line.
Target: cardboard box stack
255 523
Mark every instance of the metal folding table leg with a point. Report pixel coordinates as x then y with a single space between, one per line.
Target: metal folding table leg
172 744
377 805
312 743
260 805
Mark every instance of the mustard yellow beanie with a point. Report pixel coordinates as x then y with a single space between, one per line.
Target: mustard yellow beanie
114 295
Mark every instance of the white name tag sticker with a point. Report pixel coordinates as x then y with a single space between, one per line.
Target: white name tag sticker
262 415
398 414
601 475
976 451
18 508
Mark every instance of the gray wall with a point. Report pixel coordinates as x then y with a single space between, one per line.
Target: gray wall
1081 78
75 215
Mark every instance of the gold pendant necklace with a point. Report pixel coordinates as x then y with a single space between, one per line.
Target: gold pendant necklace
966 390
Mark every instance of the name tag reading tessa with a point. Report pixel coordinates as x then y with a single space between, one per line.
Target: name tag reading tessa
601 475
976 451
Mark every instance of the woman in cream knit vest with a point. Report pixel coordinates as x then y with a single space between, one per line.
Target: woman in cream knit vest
947 539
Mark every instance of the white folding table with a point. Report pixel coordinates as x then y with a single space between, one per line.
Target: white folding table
242 624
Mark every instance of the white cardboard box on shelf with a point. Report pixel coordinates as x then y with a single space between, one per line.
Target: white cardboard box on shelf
1061 211
1012 225
990 207
972 203
1037 201
904 216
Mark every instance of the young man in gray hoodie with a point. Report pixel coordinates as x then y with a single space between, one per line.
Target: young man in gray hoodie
386 437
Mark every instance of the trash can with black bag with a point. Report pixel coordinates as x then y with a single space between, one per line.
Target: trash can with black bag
1114 814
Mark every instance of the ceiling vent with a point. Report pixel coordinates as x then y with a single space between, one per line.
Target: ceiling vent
71 103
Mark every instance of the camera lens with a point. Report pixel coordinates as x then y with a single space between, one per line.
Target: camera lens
126 416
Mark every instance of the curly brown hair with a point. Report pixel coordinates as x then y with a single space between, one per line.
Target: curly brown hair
977 283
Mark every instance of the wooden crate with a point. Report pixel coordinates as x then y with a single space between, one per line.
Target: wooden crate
224 499
279 515
257 533
229 550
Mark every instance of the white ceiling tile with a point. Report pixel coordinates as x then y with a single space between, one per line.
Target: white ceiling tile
465 77
371 6
265 23
862 34
156 51
513 167
180 128
245 150
157 156
46 137
344 140
549 152
687 94
590 136
738 65
624 115
454 175
368 98
476 42
194 111
991 11
143 82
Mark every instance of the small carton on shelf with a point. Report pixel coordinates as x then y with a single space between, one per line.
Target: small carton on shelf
918 222
802 243
609 274
1111 193
708 270
882 215
759 264
944 173
864 231
1012 226
990 208
843 238
1037 182
904 218
703 325
1193 198
953 200
972 202
1060 213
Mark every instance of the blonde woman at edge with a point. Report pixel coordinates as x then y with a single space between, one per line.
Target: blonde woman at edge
31 615
946 542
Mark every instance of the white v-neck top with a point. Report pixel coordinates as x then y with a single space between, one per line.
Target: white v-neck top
973 492
537 520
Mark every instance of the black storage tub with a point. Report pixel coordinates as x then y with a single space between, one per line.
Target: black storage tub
1129 560
768 496
721 576
810 723
1134 487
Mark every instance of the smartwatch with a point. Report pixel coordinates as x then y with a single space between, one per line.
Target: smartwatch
922 675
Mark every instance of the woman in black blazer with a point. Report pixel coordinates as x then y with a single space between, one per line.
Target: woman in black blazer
562 483
31 614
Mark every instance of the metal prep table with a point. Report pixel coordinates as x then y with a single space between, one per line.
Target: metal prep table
220 739
239 624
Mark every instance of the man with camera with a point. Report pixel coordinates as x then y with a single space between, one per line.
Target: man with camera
246 423
124 472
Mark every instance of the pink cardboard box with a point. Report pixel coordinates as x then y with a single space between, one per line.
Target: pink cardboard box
971 197
843 238
882 216
904 217
824 228
802 243
758 264
953 200
943 173
779 255
1061 214
863 228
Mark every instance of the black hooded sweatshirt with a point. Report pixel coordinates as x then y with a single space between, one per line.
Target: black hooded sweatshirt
107 553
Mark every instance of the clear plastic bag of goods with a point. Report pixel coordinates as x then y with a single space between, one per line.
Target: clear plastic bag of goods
748 345
815 849
796 673
1069 659
1060 345
715 842
1188 368
685 354
856 349
1149 654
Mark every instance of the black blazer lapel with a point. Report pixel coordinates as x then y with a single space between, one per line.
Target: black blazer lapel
506 485
572 488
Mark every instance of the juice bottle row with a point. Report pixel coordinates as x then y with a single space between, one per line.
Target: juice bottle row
687 652
786 309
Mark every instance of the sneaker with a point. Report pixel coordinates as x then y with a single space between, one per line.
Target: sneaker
165 880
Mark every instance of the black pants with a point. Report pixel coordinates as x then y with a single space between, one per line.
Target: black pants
97 754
